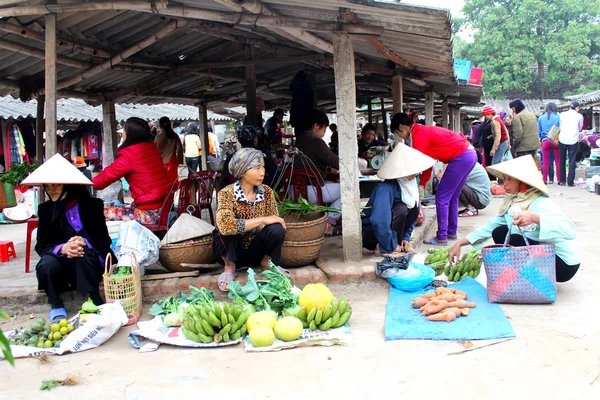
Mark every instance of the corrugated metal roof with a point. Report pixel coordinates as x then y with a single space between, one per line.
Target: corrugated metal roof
79 110
584 99
536 106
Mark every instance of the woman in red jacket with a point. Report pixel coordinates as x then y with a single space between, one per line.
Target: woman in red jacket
139 162
451 148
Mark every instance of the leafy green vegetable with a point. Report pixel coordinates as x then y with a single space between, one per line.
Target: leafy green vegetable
4 345
121 271
49 385
89 307
178 303
302 207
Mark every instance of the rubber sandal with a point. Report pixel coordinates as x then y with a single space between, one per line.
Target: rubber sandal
57 314
453 237
469 213
225 277
434 242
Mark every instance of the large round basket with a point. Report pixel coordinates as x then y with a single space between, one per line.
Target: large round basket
299 254
311 227
171 256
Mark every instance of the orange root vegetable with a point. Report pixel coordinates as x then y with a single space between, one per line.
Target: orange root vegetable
447 316
464 312
428 295
419 302
460 296
435 307
462 304
441 290
446 296
455 310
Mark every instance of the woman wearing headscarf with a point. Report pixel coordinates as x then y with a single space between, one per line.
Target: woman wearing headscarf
249 230
394 204
170 148
528 206
550 150
72 238
451 148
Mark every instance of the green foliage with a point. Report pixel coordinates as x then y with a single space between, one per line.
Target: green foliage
18 172
533 48
4 345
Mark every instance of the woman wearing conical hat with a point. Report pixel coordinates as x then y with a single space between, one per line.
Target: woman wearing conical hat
394 204
72 238
527 206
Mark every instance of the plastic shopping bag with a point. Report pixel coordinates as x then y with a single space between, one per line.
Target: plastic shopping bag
135 238
414 278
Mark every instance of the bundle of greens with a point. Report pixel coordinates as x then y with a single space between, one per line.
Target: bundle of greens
121 271
302 208
172 308
274 293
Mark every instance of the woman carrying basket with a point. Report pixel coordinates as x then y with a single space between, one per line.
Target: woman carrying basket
527 206
72 238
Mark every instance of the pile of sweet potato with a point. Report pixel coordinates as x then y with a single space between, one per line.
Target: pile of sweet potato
445 304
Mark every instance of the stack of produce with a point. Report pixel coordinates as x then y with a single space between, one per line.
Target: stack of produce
172 309
319 309
469 265
217 322
445 304
42 334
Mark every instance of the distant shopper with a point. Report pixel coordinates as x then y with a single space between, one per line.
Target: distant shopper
495 136
334 141
272 127
192 146
550 150
170 148
525 129
508 121
368 139
571 125
476 194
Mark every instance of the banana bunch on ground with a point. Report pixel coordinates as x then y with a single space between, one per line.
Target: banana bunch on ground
438 259
219 322
336 314
469 265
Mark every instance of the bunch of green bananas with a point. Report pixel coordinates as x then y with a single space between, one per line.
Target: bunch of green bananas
438 259
469 265
219 322
336 314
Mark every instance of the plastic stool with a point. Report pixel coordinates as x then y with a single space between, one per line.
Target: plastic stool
7 249
32 224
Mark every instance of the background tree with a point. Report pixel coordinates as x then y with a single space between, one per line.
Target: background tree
533 48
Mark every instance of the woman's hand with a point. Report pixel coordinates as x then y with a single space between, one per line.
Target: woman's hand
73 248
454 256
274 219
492 152
524 218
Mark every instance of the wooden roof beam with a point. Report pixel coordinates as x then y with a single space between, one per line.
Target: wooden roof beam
262 89
37 53
65 93
264 61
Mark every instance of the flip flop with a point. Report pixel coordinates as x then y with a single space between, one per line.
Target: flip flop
453 237
225 277
434 242
469 213
57 314
284 271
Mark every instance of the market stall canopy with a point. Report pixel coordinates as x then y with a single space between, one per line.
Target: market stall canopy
586 100
150 52
78 110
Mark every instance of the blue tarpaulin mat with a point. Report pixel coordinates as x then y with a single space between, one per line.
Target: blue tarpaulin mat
486 321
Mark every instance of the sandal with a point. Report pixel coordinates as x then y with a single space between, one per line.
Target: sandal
434 241
284 271
453 237
57 314
469 213
225 277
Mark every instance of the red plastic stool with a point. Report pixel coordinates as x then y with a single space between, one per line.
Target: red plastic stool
32 224
7 249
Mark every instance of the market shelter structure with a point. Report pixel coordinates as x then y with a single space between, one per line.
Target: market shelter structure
218 53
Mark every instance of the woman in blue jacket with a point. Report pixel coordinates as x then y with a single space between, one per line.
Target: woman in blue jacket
550 150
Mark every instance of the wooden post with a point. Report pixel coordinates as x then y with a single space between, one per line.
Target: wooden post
110 137
39 129
251 88
457 125
429 108
397 94
345 94
370 111
50 85
451 118
384 117
203 110
445 113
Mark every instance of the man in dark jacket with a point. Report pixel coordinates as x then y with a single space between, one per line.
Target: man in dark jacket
272 131
525 130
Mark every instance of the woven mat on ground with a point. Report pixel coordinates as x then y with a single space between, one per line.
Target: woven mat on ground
486 321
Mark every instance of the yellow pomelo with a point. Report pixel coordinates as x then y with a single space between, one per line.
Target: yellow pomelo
288 329
315 296
261 336
262 318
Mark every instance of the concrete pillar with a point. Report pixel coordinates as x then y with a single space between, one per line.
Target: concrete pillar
457 127
429 108
445 113
110 137
50 85
345 94
250 88
203 125
397 94
451 118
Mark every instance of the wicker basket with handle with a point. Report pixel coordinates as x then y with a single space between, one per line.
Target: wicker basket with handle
171 256
311 227
299 254
127 289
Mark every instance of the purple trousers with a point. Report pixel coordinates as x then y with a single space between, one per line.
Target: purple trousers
448 193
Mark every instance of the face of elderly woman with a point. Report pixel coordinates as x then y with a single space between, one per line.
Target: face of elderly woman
511 185
255 176
54 190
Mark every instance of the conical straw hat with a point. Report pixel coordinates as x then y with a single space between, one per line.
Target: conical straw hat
56 170
187 227
523 169
404 161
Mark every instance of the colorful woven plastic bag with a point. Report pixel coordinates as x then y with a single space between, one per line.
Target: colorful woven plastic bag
520 275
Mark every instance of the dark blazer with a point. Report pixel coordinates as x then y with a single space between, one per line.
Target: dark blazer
50 234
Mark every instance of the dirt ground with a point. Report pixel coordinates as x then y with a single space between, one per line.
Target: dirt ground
556 354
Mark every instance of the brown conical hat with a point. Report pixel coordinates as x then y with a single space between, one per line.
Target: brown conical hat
56 170
404 161
523 169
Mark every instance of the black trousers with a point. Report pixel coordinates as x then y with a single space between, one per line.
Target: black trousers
267 243
564 272
56 275
571 149
403 219
527 153
469 197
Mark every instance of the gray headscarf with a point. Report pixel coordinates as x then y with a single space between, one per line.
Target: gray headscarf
243 160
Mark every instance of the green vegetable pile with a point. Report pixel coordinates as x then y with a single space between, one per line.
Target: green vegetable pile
121 271
89 307
302 208
274 293
172 308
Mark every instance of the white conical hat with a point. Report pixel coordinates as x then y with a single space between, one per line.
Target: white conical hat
523 169
56 170
187 227
404 161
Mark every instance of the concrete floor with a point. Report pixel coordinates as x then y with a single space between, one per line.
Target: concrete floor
556 354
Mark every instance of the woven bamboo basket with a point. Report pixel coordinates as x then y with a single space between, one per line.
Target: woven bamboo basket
171 256
299 254
126 289
311 227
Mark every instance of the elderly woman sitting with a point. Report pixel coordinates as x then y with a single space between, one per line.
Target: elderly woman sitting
527 206
249 230
72 238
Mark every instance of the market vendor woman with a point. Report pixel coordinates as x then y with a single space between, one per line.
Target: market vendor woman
249 230
72 238
527 206
394 204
